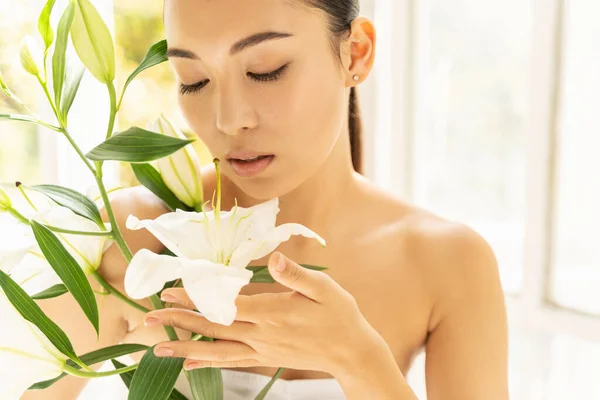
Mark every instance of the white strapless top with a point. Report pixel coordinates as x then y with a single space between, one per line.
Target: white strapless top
242 385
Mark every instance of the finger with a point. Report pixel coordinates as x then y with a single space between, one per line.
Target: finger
312 284
220 350
178 296
247 309
193 364
191 321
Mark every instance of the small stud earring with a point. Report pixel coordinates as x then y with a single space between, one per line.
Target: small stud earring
356 78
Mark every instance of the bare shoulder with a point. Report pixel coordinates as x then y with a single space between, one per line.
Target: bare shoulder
454 262
458 264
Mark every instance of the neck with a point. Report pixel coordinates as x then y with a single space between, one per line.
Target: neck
318 201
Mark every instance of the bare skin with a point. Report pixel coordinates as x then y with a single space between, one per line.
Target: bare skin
419 280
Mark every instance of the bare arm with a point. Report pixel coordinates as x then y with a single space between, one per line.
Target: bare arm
466 353
65 311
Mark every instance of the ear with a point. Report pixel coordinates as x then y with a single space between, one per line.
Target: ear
359 50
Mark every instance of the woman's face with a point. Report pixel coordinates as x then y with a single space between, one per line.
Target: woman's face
284 96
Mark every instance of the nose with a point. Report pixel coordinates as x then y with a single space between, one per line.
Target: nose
234 113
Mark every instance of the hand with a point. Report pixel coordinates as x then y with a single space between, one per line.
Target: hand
317 326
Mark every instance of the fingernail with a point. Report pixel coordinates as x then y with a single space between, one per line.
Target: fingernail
151 321
192 365
168 298
164 351
281 262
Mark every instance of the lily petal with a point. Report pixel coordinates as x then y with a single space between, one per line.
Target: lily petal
34 274
16 240
186 234
258 248
213 288
148 272
27 355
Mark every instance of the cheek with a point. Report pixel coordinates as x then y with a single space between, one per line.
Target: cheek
307 114
199 119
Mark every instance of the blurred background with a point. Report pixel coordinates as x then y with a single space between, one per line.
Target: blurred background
482 111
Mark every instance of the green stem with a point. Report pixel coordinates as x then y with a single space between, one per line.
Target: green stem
158 305
82 374
50 100
112 290
61 230
113 108
117 235
268 386
54 128
25 220
78 150
18 215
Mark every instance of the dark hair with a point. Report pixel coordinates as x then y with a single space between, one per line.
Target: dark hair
340 14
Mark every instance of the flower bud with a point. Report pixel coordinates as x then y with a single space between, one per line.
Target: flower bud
93 42
5 203
31 55
181 170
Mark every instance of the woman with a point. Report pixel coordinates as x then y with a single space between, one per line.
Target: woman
277 78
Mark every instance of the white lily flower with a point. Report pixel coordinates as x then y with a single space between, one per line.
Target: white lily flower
213 249
27 355
180 170
22 258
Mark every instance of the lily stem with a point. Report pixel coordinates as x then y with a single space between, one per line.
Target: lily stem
158 305
112 290
83 374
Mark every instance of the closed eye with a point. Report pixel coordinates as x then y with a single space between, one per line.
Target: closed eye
271 76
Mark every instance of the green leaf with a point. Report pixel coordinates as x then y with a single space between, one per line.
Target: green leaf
73 200
44 26
29 310
262 274
128 377
50 293
266 389
70 90
93 42
95 357
206 383
68 270
156 55
60 49
136 145
155 377
151 179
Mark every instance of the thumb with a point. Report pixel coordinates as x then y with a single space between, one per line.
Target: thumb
312 284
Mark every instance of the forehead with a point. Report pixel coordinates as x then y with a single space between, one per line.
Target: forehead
201 24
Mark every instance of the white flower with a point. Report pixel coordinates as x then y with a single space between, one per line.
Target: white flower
22 258
180 170
213 250
27 355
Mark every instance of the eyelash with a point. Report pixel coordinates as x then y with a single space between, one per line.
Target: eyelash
271 76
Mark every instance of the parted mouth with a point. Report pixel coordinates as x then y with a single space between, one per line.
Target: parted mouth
246 155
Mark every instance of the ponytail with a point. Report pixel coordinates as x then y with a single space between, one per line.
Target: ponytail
355 128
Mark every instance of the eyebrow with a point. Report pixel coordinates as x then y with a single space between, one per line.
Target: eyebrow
237 47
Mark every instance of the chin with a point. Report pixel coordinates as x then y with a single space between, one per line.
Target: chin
264 188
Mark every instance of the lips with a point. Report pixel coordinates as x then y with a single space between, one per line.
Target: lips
248 169
245 155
